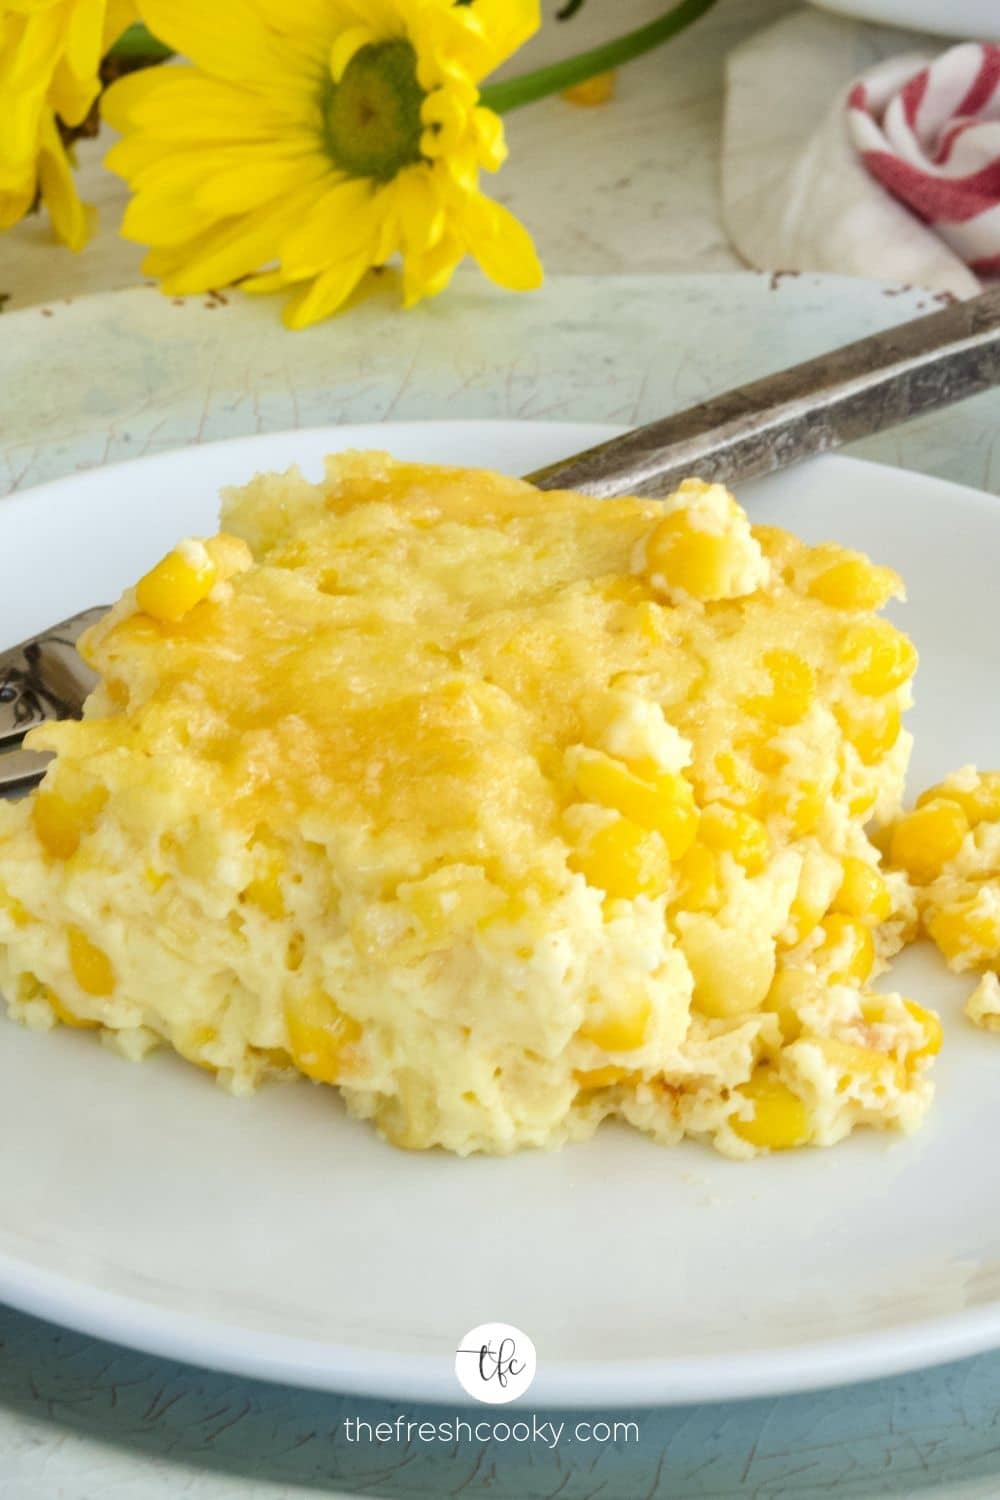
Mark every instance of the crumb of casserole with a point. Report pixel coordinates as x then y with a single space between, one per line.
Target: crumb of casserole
948 845
983 1005
500 811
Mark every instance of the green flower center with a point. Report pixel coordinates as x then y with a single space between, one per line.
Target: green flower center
372 116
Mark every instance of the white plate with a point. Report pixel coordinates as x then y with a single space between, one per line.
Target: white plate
276 1237
970 20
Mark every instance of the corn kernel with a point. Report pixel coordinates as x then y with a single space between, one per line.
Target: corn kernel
793 690
872 728
933 1031
701 563
980 803
16 910
731 831
874 1011
264 891
847 952
623 860
790 989
191 1044
602 1078
651 621
862 803
804 915
879 656
802 805
862 892
967 933
779 1120
698 873
924 840
592 91
856 583
732 970
60 821
177 583
276 1059
619 1028
66 1016
91 966
318 1035
450 901
818 881
768 758
854 1061
743 779
660 801
880 838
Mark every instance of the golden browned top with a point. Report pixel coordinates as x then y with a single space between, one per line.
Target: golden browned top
414 650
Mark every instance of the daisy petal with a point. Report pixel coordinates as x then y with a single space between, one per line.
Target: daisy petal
230 41
307 18
238 247
82 39
427 274
500 244
72 220
162 218
506 26
117 16
326 293
267 281
253 180
75 85
181 104
123 97
452 40
347 44
340 223
489 132
25 71
421 214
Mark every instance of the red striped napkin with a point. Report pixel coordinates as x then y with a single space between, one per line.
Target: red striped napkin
930 134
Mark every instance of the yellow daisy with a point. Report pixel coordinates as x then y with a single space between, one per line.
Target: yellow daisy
50 54
314 139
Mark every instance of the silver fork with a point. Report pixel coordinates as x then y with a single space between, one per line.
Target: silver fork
42 678
853 392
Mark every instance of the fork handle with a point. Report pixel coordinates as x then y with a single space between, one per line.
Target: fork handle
853 392
41 679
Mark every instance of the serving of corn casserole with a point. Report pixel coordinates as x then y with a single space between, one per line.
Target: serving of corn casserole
500 811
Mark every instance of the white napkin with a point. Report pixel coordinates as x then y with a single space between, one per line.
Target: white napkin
796 195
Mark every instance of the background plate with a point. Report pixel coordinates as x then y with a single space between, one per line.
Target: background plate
276 1237
966 20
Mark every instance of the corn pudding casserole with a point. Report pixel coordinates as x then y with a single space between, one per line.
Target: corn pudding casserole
502 811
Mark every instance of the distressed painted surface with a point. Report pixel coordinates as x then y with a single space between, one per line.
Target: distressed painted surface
129 373
113 377
86 1421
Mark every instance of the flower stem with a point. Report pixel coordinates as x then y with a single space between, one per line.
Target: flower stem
511 93
138 45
